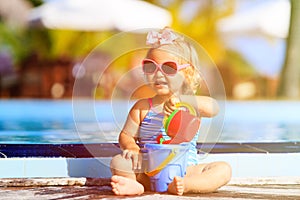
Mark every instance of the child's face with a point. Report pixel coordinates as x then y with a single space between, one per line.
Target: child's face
162 83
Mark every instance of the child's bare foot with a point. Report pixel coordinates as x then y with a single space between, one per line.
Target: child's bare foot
125 186
176 186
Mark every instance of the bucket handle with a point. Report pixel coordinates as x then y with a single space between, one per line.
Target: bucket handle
179 105
163 164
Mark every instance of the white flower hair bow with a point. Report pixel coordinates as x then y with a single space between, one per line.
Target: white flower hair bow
166 36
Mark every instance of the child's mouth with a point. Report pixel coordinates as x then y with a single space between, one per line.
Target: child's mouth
160 83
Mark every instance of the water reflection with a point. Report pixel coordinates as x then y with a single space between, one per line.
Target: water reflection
244 122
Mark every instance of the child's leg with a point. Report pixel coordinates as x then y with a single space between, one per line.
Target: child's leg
124 181
202 178
122 167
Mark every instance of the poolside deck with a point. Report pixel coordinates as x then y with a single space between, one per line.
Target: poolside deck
100 189
273 169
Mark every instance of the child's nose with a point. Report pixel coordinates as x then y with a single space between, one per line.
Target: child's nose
159 72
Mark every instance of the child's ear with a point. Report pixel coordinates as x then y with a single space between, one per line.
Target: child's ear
186 88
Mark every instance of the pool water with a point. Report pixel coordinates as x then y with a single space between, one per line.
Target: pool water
48 121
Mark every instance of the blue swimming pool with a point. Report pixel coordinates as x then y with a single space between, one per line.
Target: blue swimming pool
48 121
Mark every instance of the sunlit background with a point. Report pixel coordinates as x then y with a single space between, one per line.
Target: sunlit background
42 42
254 44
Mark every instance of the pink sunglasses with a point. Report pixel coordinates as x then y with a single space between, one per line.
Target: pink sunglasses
169 68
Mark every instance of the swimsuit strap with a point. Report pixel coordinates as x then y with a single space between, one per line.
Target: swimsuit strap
150 102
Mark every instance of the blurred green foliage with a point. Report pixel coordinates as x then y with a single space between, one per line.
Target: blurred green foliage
13 41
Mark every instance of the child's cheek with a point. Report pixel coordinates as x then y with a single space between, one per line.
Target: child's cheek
176 83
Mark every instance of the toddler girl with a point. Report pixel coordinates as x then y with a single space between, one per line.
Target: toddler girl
170 68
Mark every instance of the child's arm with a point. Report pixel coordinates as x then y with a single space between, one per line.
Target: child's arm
128 136
205 105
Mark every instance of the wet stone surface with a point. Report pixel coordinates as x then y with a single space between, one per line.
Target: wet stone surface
286 192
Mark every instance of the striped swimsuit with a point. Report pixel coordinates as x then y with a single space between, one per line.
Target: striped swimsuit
152 126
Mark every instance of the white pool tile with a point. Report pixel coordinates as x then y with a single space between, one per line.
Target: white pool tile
260 164
89 167
46 167
243 165
12 168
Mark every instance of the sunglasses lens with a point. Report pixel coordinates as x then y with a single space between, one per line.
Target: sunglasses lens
149 67
169 68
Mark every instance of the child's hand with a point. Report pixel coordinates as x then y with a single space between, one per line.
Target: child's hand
136 158
170 105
